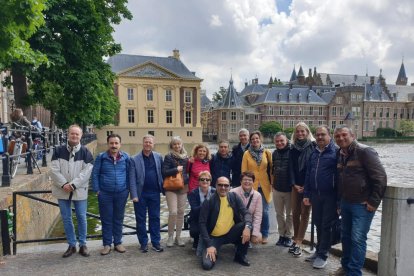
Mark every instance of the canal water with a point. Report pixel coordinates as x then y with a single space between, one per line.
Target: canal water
397 158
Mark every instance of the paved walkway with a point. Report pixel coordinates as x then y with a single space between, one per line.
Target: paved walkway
265 260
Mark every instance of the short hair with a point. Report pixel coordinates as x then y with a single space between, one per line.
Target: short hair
224 142
199 146
247 174
256 132
204 173
341 127
148 136
280 133
325 127
243 130
77 126
113 135
305 126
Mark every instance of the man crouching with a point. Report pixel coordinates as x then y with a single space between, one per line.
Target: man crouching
223 220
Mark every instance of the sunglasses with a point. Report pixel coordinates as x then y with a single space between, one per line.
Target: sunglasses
223 185
204 179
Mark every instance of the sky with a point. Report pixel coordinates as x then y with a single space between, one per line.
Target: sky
246 39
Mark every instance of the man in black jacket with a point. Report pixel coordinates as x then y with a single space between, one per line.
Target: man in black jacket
237 153
224 219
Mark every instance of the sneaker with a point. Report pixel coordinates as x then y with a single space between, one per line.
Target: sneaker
288 242
170 241
311 258
144 248
120 248
297 251
179 242
292 247
157 248
106 250
69 251
264 240
319 263
281 241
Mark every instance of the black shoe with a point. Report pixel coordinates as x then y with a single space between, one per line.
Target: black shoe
281 241
83 250
69 251
292 247
144 248
297 251
288 242
157 248
241 260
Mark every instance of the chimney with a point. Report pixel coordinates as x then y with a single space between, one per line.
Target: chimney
371 80
176 54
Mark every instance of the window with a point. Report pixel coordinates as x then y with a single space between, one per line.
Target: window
233 128
356 110
270 110
367 112
256 117
311 110
168 95
233 116
342 122
169 133
247 117
131 116
353 97
132 133
333 111
291 123
341 111
150 95
320 110
189 133
109 132
366 125
280 110
151 132
320 122
223 128
168 116
388 113
356 124
339 100
187 97
188 117
300 111
223 115
310 123
333 124
359 97
130 93
241 116
291 111
150 116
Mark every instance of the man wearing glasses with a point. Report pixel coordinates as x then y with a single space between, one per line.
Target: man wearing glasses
224 219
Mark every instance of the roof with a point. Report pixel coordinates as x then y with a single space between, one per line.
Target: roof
375 92
345 80
401 74
205 101
296 95
403 92
293 76
231 99
327 96
253 89
121 62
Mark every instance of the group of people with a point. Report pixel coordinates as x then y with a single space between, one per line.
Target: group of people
229 192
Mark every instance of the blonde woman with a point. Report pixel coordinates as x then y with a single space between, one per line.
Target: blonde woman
258 160
303 143
174 162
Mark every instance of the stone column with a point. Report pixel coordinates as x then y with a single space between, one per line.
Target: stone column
397 239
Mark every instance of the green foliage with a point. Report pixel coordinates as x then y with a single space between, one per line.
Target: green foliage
289 131
219 95
406 127
270 128
19 20
387 132
78 85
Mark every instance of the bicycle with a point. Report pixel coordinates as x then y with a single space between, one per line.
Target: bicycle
16 148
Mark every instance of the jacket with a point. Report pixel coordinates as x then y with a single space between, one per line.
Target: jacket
262 173
73 167
195 204
137 173
281 169
109 175
193 170
210 210
361 176
297 175
237 153
255 208
220 166
321 172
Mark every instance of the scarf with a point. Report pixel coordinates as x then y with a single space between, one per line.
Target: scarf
305 148
179 155
203 196
257 154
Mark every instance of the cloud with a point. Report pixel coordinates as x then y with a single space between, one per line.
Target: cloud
260 37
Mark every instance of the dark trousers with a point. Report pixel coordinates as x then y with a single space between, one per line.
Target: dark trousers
194 232
324 215
112 210
152 203
233 236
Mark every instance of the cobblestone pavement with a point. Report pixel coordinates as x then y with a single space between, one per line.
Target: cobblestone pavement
265 260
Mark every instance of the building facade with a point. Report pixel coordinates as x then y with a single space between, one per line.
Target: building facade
158 96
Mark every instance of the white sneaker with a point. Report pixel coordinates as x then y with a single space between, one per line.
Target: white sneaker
179 242
170 241
319 263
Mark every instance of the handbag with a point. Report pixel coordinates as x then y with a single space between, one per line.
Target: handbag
174 182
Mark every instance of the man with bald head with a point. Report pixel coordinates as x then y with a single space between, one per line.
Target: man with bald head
224 219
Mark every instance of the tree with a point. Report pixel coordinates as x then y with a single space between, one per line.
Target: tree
270 128
219 95
406 127
78 84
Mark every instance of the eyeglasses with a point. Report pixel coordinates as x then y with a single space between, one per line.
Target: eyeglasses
223 185
204 179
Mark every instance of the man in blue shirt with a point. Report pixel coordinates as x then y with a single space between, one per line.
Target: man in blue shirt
145 188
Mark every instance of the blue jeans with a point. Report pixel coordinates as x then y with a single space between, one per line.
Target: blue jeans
66 213
152 203
356 221
111 210
264 227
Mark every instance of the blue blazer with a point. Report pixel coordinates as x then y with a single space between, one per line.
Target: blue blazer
137 173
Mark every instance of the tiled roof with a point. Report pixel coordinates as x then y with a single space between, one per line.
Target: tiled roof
121 62
345 80
403 92
375 93
296 95
327 96
205 101
231 99
253 89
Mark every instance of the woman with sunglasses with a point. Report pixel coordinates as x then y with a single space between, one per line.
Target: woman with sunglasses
175 162
200 161
258 160
196 199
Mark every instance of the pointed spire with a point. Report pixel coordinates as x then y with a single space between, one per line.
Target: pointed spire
293 76
231 99
402 77
300 74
